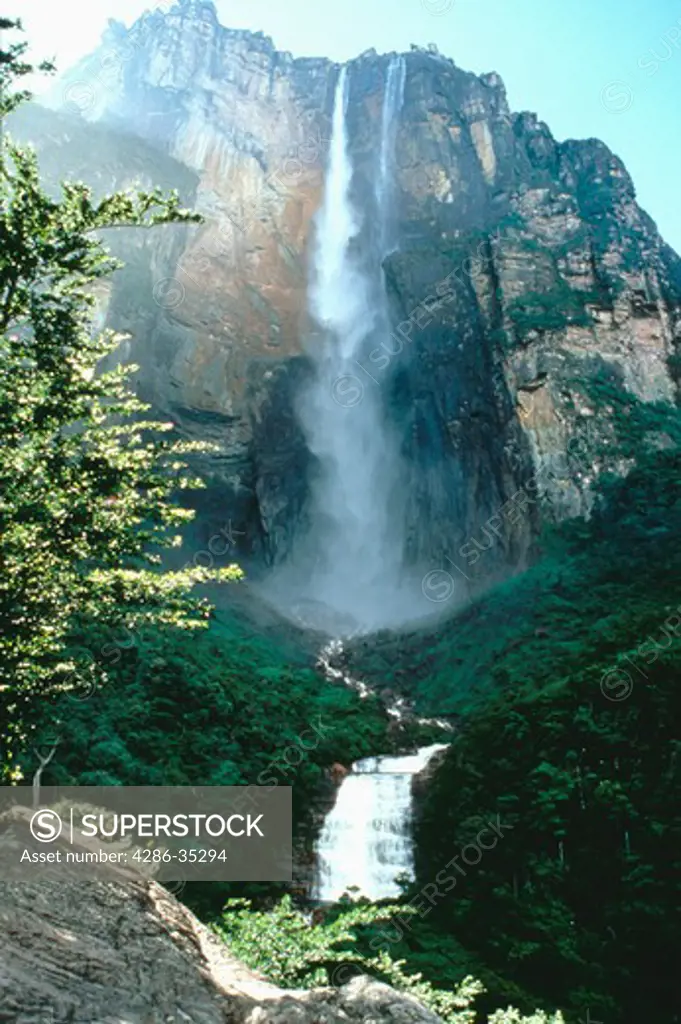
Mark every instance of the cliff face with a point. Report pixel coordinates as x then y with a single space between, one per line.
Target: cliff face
524 269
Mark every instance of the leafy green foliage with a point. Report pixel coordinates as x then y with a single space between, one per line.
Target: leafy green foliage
296 952
599 585
572 904
442 957
13 67
85 480
225 709
579 717
564 685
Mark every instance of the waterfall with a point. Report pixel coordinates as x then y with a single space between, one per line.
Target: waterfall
348 566
393 99
366 839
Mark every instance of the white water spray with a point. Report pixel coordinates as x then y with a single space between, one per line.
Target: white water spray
393 98
349 566
366 840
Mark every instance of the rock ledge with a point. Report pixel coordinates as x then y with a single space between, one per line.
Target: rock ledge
127 952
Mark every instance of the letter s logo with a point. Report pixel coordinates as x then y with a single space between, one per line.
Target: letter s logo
46 826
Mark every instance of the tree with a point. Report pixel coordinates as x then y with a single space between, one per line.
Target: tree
86 482
294 952
13 68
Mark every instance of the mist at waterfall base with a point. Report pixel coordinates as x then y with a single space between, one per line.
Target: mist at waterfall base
347 574
366 840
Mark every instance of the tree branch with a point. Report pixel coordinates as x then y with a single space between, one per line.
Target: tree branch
44 761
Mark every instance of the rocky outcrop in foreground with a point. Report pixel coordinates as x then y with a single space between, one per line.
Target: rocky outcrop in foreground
127 952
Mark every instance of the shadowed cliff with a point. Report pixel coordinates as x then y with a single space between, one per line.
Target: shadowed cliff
524 270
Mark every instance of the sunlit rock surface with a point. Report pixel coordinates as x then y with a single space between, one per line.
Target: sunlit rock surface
126 952
538 270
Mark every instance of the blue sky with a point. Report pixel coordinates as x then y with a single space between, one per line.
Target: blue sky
604 68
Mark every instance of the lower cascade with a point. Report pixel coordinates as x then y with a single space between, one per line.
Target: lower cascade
366 840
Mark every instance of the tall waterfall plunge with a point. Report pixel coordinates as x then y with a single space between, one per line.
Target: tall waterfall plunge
347 572
393 99
366 839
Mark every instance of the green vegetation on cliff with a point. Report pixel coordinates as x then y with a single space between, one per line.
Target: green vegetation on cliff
549 311
565 684
564 680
